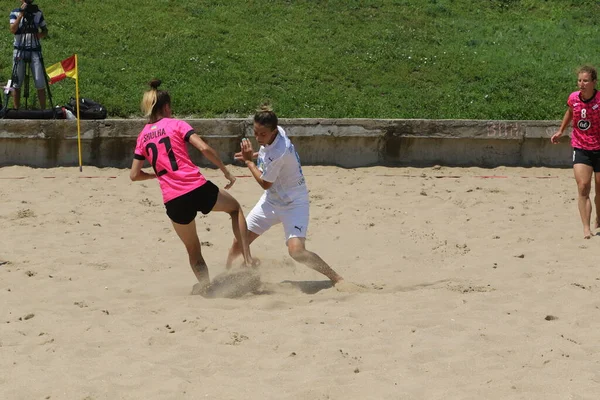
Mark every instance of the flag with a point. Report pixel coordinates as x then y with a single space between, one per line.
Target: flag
65 68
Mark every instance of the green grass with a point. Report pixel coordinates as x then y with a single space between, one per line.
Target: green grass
449 59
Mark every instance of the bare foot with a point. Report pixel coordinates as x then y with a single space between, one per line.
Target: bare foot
349 287
200 289
587 232
255 264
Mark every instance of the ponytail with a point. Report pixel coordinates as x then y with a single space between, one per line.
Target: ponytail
154 101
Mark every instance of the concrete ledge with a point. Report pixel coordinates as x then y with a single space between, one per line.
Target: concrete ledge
342 142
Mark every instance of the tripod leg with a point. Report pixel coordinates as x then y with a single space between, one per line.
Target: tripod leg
10 88
26 82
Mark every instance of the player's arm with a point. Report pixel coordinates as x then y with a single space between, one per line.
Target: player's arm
212 156
136 173
247 154
567 119
207 151
257 175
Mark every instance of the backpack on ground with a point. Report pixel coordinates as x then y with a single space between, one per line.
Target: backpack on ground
88 109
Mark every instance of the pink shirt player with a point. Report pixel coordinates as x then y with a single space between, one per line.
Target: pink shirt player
586 121
185 190
163 145
583 114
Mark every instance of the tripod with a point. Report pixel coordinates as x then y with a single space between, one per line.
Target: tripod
27 56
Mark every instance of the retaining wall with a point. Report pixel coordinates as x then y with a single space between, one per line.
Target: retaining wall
341 142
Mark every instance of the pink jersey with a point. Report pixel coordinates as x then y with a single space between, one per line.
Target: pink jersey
586 122
163 145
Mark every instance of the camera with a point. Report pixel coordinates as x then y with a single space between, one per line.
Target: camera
30 9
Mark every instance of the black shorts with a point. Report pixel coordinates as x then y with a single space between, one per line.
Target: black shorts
183 209
587 157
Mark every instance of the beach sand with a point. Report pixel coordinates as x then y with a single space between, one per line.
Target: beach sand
479 286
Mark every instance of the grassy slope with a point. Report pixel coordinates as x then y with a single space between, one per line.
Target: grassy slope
496 59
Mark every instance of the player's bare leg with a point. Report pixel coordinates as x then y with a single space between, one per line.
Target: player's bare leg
236 249
226 202
189 237
298 252
597 199
583 177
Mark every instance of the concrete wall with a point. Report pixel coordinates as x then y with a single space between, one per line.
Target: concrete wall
342 142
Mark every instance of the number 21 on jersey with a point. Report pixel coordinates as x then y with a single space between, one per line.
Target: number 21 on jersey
153 150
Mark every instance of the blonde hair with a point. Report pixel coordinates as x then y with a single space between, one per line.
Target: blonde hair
154 100
266 117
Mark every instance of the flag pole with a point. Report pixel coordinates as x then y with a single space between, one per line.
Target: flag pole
77 102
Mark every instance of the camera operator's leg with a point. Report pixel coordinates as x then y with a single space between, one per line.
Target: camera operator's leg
17 98
39 78
25 85
17 77
42 97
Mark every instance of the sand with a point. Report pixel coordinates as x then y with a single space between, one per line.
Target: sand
479 286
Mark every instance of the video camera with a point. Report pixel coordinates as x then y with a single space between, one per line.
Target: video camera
30 9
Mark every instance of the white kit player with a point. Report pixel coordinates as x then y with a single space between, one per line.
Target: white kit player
285 199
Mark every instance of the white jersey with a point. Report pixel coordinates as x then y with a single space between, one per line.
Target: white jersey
280 165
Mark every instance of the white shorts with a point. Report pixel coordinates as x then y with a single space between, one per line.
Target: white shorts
264 215
39 75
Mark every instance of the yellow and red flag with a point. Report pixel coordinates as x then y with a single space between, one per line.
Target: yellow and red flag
67 68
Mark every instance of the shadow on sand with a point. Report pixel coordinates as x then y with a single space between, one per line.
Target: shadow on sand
310 287
237 284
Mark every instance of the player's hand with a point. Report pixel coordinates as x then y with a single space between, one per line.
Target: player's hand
230 178
556 137
247 152
238 156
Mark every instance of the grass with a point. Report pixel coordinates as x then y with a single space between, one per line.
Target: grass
434 59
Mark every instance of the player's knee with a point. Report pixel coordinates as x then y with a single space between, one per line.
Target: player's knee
236 209
584 189
235 246
297 253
